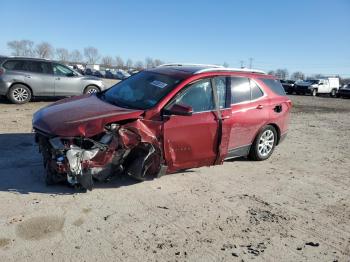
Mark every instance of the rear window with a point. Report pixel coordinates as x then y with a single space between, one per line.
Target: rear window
274 85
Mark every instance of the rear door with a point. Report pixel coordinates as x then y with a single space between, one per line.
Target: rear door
38 75
191 141
250 111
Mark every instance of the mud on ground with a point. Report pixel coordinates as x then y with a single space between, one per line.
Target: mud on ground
293 207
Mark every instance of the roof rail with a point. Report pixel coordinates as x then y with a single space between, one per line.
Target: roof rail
190 64
231 70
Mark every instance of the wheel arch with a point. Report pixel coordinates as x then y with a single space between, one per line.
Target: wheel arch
21 83
275 126
94 85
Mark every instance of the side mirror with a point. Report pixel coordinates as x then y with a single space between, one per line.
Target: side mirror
70 74
320 84
179 109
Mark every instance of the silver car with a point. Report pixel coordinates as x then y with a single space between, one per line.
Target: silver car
24 78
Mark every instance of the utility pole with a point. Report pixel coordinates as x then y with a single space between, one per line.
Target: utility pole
242 63
250 62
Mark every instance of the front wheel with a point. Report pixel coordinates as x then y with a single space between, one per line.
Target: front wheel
91 90
264 144
19 94
314 92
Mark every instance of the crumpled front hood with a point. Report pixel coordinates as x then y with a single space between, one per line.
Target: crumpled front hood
80 116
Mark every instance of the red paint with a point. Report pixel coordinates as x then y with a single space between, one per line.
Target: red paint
186 141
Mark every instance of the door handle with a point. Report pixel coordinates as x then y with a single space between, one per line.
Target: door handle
57 78
225 117
260 107
28 76
278 108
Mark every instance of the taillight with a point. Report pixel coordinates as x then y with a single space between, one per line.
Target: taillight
1 71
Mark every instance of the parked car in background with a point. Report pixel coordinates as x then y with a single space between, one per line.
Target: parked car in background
88 72
329 85
162 120
97 73
288 86
108 74
23 78
344 91
121 74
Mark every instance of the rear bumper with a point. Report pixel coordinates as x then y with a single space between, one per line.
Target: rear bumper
4 87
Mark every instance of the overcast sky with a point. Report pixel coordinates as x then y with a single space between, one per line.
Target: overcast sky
311 36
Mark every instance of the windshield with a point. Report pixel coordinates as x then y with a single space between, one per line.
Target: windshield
313 81
140 91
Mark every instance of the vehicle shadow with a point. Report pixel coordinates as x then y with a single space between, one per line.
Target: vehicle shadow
22 171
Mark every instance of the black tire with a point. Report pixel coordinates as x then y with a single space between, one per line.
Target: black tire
333 93
91 89
256 152
19 94
314 92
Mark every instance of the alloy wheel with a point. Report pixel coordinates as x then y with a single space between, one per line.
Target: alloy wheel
266 143
20 94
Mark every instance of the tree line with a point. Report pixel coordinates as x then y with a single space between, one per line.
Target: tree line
90 55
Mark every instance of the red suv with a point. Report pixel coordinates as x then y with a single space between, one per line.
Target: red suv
162 120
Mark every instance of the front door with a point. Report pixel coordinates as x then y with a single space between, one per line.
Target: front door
67 83
191 141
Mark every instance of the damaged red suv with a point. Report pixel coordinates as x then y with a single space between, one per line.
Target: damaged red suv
162 120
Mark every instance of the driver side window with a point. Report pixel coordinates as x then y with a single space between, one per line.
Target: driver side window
60 70
198 95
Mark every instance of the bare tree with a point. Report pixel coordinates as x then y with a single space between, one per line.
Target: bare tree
225 64
157 62
282 73
271 72
119 62
21 48
107 61
44 50
149 63
298 76
318 76
139 65
129 63
91 54
62 54
76 57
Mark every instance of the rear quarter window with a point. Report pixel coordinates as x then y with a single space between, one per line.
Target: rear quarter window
274 85
14 65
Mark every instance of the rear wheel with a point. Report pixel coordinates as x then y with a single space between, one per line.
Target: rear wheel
333 93
19 94
91 90
264 144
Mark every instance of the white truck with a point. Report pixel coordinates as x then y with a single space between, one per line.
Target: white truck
326 85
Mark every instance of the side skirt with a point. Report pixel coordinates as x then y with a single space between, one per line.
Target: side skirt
238 152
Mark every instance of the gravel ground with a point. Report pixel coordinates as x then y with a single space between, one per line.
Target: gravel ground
293 207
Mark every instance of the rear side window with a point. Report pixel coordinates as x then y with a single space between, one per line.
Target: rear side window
274 85
14 65
256 91
38 67
240 90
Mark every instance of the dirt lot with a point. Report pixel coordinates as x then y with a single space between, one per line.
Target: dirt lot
293 207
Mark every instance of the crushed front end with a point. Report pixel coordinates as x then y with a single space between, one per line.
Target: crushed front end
130 149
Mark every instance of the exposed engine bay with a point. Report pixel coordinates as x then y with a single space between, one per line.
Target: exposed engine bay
130 149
